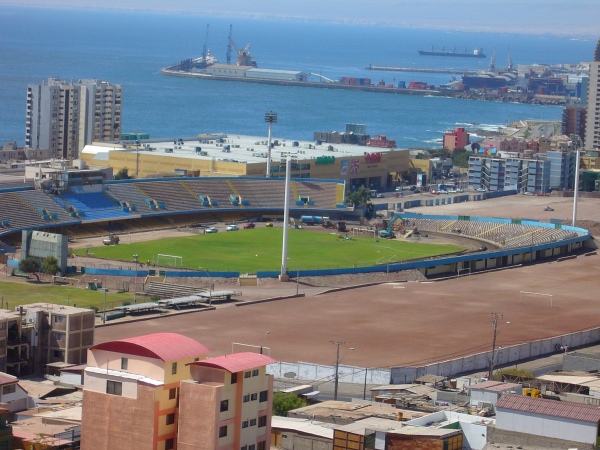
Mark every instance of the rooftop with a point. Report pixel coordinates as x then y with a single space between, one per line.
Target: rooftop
56 309
163 346
495 386
541 406
236 362
242 149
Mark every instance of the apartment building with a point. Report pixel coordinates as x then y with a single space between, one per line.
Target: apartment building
65 116
592 124
131 394
499 174
234 393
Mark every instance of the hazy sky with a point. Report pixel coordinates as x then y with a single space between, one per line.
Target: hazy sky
574 18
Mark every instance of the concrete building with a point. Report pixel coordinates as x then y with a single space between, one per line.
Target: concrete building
592 124
488 392
235 395
65 116
562 169
59 336
457 139
528 421
498 174
573 122
12 396
140 378
246 156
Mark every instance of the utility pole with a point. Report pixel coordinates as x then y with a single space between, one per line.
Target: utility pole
337 367
495 318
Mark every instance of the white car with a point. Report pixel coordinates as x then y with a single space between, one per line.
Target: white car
443 191
232 228
481 189
211 230
458 190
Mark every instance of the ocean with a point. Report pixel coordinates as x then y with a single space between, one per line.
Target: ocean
130 48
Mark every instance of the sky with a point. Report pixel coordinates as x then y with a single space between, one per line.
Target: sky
574 18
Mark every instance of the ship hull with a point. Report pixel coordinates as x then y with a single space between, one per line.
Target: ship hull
453 54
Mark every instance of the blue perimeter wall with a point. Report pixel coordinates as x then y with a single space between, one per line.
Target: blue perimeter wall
584 235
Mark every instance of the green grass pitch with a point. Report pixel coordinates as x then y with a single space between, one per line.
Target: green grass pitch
259 249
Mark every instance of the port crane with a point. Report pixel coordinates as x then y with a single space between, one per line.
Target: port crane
329 80
229 45
244 58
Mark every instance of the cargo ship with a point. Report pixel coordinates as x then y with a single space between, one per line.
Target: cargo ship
477 53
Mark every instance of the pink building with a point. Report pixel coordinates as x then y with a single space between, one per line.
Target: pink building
459 138
235 395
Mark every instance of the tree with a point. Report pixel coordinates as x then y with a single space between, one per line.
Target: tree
359 197
122 174
30 265
50 265
282 403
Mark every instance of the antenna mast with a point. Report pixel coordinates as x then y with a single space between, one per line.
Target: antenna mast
229 45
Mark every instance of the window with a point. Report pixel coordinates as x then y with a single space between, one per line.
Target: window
233 378
114 387
170 444
264 396
252 422
224 405
246 398
223 431
59 319
9 389
124 363
253 396
57 354
261 446
196 359
255 373
262 421
174 368
244 447
172 393
247 374
170 419
252 447
245 424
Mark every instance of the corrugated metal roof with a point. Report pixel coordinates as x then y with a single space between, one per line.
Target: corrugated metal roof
164 346
567 410
568 379
496 386
236 362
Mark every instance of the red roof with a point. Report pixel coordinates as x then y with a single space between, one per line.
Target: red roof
7 379
555 408
164 346
236 362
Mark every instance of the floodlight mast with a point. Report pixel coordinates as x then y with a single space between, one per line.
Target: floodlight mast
286 215
270 118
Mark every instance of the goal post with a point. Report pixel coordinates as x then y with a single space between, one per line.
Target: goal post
523 295
169 260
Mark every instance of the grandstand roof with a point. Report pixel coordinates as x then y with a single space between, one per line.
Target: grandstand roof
164 346
242 149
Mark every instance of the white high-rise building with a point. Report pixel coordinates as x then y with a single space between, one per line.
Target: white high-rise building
65 116
592 123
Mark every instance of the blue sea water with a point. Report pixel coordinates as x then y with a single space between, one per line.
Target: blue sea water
130 48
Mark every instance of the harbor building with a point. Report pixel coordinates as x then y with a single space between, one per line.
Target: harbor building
379 164
592 125
65 116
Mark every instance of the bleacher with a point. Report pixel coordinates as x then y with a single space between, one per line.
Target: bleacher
507 235
167 290
95 206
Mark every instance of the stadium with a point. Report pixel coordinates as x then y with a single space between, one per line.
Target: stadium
84 207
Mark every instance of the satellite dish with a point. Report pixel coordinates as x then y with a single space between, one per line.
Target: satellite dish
475 147
289 375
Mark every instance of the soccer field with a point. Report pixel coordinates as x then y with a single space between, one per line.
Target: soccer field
259 249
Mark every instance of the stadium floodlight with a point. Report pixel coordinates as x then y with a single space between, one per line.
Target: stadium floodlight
270 118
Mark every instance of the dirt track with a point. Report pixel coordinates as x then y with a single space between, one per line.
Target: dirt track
408 323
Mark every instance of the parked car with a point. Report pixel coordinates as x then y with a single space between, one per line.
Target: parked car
458 190
412 188
380 195
528 193
269 225
434 192
481 189
232 228
548 208
210 230
416 191
249 225
443 191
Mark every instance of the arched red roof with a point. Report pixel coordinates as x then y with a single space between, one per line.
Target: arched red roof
236 362
163 346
